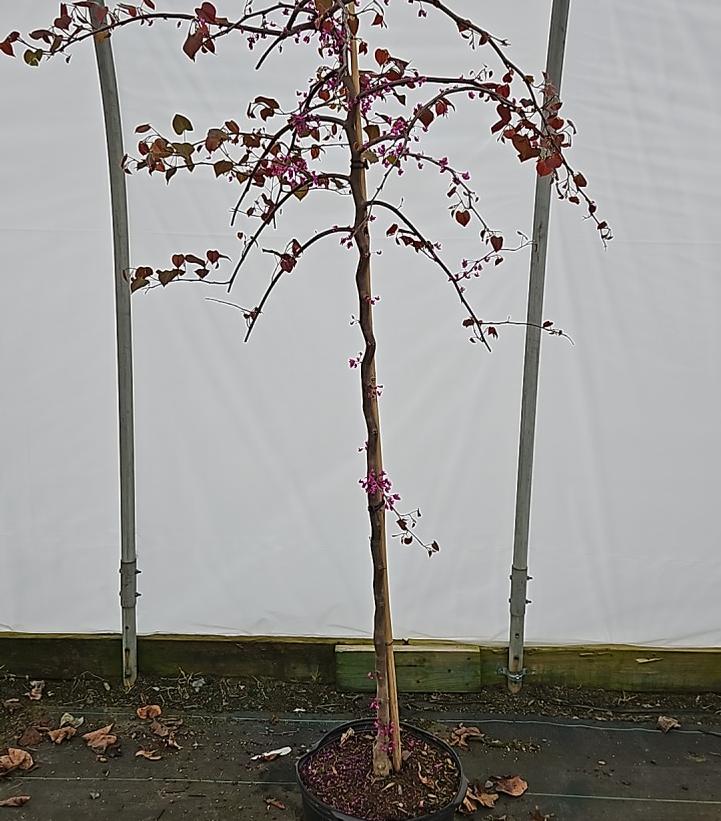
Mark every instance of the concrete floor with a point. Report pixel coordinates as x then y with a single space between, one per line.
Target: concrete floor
577 770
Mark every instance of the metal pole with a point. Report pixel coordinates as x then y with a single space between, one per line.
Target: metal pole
123 329
519 570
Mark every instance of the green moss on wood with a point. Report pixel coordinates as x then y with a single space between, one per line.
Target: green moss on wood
418 669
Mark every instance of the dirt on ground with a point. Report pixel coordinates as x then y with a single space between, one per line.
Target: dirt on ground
205 694
217 749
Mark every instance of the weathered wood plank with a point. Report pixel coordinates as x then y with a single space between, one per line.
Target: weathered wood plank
60 656
451 669
423 665
626 668
279 658
67 656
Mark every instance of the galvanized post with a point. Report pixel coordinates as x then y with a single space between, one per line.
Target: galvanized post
123 329
519 570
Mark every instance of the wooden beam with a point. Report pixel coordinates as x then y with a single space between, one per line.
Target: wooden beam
419 669
423 665
287 659
65 656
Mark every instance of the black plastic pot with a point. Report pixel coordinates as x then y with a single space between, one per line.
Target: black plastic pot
315 810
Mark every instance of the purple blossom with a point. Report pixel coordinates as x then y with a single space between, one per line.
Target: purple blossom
399 127
299 122
380 484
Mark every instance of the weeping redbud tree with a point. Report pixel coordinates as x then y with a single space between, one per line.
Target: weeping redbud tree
379 116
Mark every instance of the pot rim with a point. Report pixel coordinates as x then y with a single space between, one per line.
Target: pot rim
367 723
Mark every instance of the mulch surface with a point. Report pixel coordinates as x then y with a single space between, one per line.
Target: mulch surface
340 775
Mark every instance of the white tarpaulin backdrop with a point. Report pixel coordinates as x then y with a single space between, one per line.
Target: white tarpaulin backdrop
250 517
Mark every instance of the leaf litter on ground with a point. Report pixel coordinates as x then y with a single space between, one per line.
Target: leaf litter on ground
62 734
101 740
15 801
36 690
512 785
271 755
151 755
15 759
477 798
31 737
148 711
666 723
71 720
461 735
165 730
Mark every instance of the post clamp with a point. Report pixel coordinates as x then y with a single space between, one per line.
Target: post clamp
516 678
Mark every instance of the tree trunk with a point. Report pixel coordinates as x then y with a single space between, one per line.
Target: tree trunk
387 747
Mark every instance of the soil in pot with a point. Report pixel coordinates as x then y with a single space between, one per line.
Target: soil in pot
340 775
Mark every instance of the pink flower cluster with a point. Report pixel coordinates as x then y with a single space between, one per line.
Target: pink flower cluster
380 483
291 169
399 127
300 125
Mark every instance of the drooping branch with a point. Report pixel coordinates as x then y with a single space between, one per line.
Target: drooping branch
253 240
296 250
547 109
428 249
267 151
317 9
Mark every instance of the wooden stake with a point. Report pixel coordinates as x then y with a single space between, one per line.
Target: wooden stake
383 633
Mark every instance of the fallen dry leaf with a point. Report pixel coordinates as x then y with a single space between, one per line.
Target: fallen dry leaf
166 733
93 735
61 734
20 758
30 738
274 802
666 723
103 743
69 718
349 733
36 691
100 740
15 801
15 760
512 785
477 797
427 782
149 711
151 755
271 755
159 729
461 735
